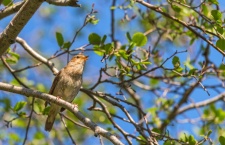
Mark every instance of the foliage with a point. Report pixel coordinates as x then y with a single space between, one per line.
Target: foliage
155 72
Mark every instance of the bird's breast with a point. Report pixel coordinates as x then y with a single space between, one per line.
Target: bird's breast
68 87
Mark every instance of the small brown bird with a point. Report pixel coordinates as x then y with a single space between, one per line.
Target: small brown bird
66 85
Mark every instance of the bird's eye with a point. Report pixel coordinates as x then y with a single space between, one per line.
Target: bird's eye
78 56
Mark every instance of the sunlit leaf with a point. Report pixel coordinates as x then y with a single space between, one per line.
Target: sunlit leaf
99 50
217 15
46 110
19 105
39 135
139 39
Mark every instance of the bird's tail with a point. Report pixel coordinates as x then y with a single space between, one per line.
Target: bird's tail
54 109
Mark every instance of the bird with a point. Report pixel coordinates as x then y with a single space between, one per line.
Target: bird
66 86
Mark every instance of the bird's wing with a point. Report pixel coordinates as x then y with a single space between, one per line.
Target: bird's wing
54 83
53 86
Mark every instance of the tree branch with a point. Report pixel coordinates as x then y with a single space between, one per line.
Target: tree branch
15 7
72 3
11 9
202 103
9 35
173 113
28 92
37 56
159 10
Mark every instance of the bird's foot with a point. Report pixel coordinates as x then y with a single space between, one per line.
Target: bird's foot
75 105
57 98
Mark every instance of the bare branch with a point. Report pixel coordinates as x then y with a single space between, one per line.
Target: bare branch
202 103
9 35
72 3
159 10
15 7
36 55
11 9
94 127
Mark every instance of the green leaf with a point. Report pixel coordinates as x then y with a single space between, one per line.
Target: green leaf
217 15
128 36
11 60
103 39
19 105
123 54
99 51
146 62
221 44
176 61
41 87
139 39
220 29
15 55
169 142
176 8
67 44
46 110
154 82
205 9
94 39
22 114
214 1
222 140
210 131
39 135
93 20
188 64
6 103
7 2
59 38
192 140
192 71
108 48
14 137
179 69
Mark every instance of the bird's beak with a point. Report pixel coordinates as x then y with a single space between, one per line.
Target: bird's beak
86 57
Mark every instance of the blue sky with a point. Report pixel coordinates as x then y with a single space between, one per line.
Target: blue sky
40 34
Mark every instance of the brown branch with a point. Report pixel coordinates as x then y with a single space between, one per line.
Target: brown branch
94 127
173 113
112 12
16 25
29 121
159 10
15 7
11 9
13 73
37 56
72 3
202 103
63 121
125 111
